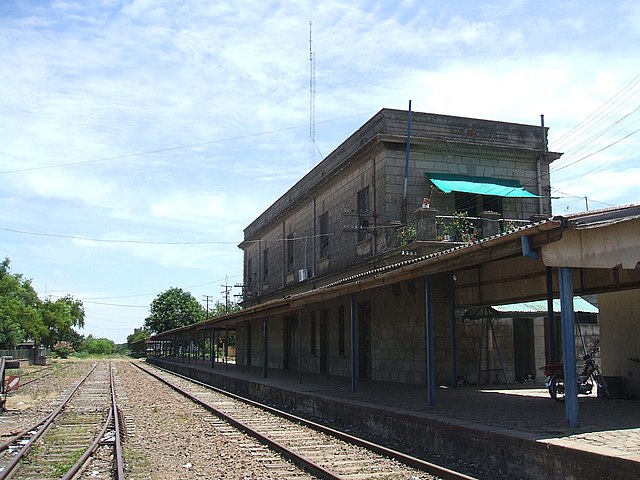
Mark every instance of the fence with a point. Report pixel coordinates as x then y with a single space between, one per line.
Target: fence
25 353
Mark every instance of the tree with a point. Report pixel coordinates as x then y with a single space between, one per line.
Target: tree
172 309
138 334
98 346
222 308
23 316
20 317
59 317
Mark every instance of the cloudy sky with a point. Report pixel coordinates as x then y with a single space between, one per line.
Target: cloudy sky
139 137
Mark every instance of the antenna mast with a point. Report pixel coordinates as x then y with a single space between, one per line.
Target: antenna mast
312 103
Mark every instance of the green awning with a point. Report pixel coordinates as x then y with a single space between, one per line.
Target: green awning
540 306
449 182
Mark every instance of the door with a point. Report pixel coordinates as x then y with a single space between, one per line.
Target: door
523 350
324 341
289 337
364 340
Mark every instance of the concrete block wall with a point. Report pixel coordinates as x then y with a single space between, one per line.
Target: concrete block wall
374 157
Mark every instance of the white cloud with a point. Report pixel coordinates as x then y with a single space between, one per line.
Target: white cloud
113 78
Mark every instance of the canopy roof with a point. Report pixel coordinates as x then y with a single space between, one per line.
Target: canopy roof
540 306
449 182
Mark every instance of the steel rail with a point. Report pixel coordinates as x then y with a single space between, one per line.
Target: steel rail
298 460
98 441
423 465
117 448
41 376
40 428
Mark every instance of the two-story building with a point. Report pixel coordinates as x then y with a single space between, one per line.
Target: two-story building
400 186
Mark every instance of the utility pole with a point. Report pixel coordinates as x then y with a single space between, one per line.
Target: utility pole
226 292
206 298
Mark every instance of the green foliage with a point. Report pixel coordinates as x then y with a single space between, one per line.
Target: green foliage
121 349
220 308
59 317
19 309
98 346
172 309
460 226
23 316
137 335
406 234
62 349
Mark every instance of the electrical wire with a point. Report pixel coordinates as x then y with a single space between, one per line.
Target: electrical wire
177 147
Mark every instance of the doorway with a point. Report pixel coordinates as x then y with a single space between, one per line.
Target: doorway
364 340
324 341
524 359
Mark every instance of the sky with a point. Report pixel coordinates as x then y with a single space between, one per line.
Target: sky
138 138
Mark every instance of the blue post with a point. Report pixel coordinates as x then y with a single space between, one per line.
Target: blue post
454 344
429 341
568 346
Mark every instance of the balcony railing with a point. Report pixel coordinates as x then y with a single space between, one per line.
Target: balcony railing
459 227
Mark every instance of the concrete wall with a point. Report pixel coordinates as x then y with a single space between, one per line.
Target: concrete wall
620 337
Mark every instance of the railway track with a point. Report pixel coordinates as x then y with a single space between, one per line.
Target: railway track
66 441
321 451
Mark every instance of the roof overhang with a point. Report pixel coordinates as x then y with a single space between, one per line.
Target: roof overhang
540 307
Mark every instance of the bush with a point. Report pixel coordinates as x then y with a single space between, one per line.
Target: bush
63 349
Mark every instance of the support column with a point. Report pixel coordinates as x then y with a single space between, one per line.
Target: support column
552 332
212 347
300 345
225 346
568 346
265 345
426 224
354 345
429 341
454 343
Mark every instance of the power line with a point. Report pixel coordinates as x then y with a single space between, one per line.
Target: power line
154 242
103 240
169 149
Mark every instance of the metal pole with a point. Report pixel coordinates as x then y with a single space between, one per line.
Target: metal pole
265 346
429 341
300 345
454 349
406 169
552 354
568 346
354 346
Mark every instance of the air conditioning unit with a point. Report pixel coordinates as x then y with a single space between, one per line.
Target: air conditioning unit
302 274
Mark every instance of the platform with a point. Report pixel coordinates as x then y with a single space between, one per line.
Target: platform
517 430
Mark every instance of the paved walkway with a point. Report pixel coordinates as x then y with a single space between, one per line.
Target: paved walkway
607 427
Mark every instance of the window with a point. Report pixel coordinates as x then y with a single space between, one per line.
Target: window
290 249
341 338
265 264
324 235
466 202
249 275
363 214
491 203
313 334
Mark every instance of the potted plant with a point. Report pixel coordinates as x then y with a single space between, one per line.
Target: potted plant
460 227
406 234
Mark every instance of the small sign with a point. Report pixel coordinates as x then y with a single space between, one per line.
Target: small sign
13 383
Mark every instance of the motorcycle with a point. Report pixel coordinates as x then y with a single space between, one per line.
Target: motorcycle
554 373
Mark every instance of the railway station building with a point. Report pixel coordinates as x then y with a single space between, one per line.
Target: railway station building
423 252
412 205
